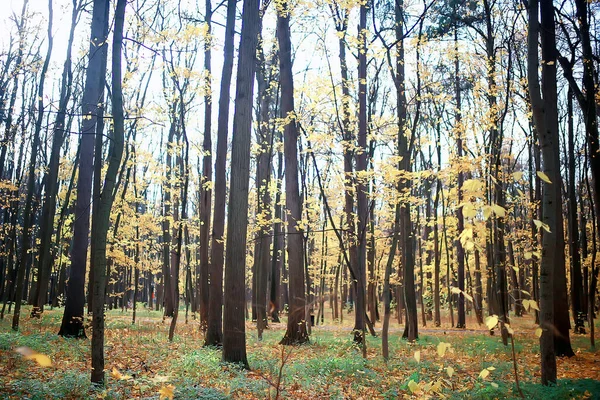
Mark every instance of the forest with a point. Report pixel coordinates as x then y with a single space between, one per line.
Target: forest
299 199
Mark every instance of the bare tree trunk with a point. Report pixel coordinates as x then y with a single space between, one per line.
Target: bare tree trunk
107 197
234 332
72 322
545 116
205 189
296 332
214 332
28 212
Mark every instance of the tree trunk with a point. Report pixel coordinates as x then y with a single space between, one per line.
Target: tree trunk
72 322
107 197
205 188
296 332
28 213
234 332
545 116
214 331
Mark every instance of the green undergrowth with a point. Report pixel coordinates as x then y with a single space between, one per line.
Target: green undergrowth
329 366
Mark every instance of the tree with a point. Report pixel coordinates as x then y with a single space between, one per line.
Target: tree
106 199
234 337
215 293
296 332
545 117
28 213
72 322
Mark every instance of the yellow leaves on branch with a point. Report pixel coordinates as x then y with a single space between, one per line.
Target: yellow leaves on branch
42 359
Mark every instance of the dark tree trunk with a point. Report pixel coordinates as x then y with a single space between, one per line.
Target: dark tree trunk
106 199
205 188
214 331
545 116
49 206
296 332
234 332
72 322
29 212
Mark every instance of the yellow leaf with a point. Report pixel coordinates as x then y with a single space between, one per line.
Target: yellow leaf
487 211
484 373
527 255
543 177
469 211
494 385
491 368
533 304
491 321
499 210
509 329
42 359
468 297
412 386
115 373
450 371
418 355
166 392
472 185
538 332
455 290
517 175
442 347
540 225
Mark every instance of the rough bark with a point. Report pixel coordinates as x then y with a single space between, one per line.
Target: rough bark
234 336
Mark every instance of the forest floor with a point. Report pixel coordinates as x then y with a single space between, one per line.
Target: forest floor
142 363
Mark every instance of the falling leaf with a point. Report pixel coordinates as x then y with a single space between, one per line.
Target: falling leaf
538 332
499 210
533 304
117 375
442 347
468 297
166 392
418 355
494 385
42 359
543 177
450 371
492 368
487 211
540 225
455 290
469 211
491 321
509 329
484 373
412 386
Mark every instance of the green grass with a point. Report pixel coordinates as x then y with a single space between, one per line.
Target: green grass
329 366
